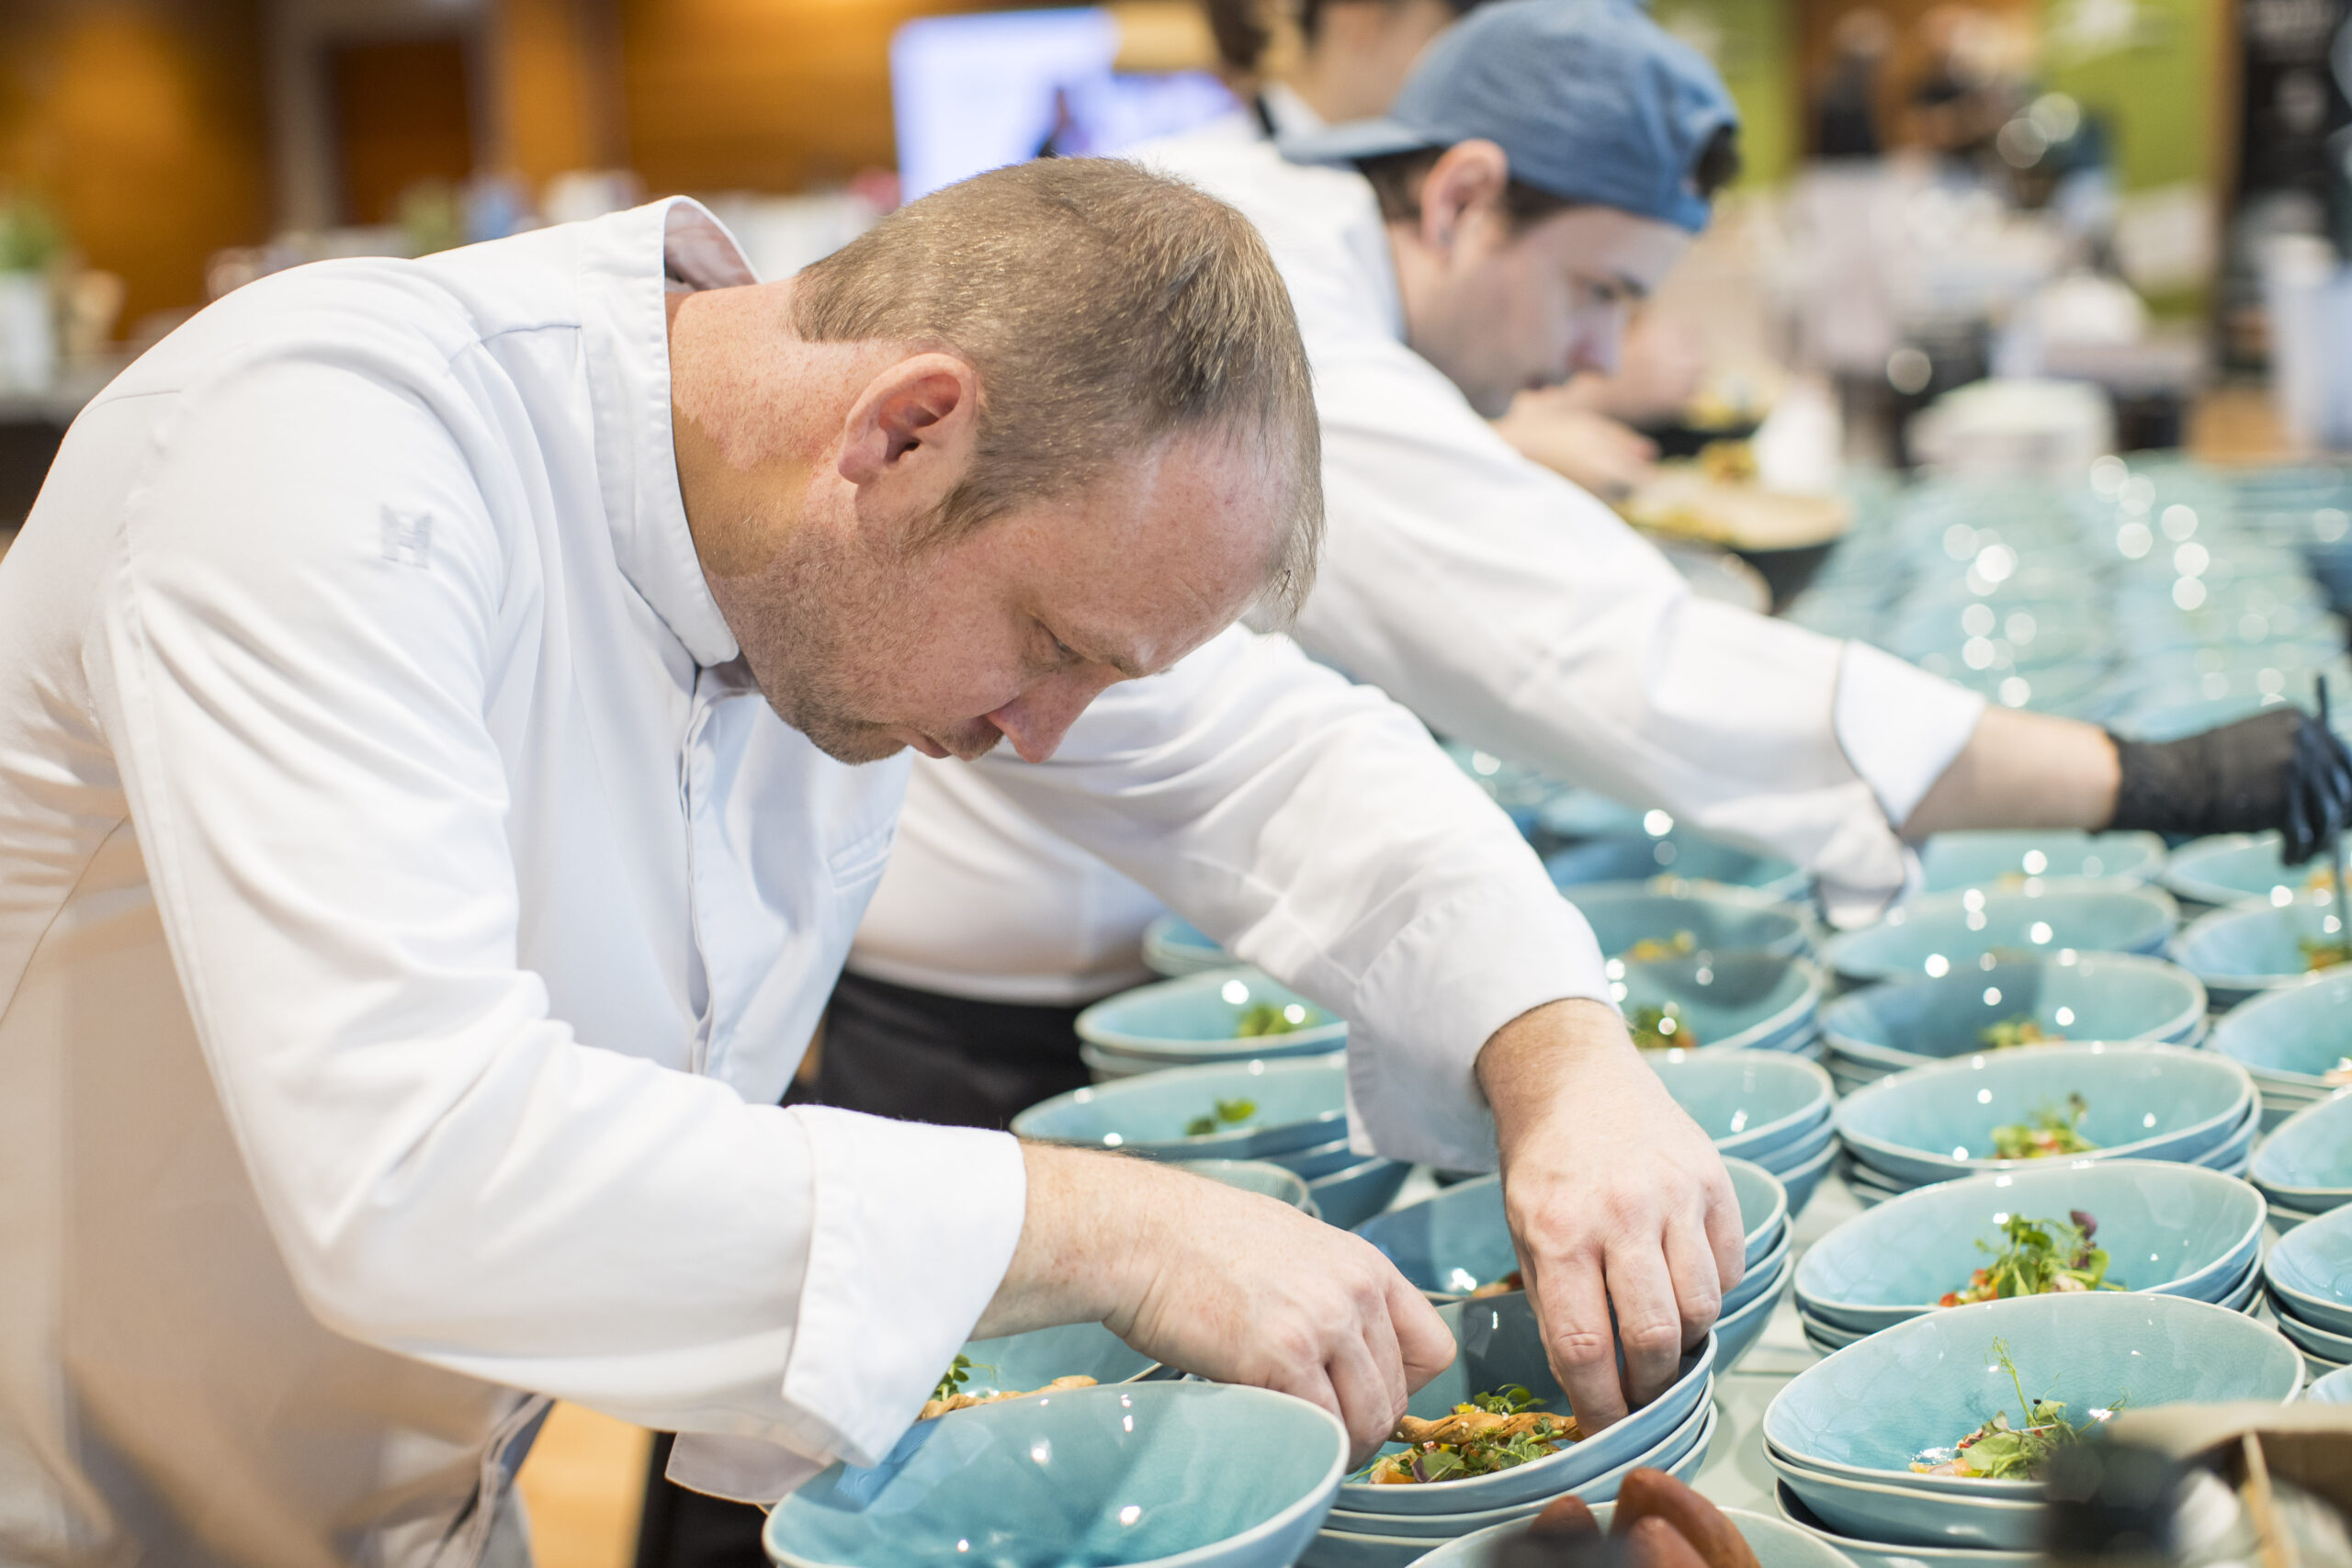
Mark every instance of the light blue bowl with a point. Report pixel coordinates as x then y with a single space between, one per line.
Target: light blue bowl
1759 1280
1891 1512
2307 1163
1947 931
1719 919
2309 1271
1194 1020
1776 1542
1805 1180
1300 1103
1681 1456
1316 1161
2334 1389
1693 857
1845 1442
1349 1197
1500 1344
2237 868
2007 860
1752 1103
1261 1177
2317 1343
2114 996
1731 1001
1173 946
1016 1363
1878 1554
2293 1036
2146 1102
1456 1240
1737 1332
1202 1474
2169 1229
2241 952
1679 1453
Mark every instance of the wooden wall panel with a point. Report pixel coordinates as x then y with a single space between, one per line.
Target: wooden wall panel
143 122
403 114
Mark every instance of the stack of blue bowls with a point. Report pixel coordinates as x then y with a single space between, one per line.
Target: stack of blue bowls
1654 845
1500 1344
1767 1107
1950 863
1458 1241
1726 1001
1695 916
2168 1229
2305 1167
1844 1435
2249 950
1915 1023
2307 1278
1942 933
1297 1119
2296 1041
1197 1021
1933 1124
1776 1542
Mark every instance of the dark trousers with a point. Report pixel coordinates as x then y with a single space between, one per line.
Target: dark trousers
893 1052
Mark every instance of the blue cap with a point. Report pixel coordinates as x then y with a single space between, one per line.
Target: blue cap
1589 99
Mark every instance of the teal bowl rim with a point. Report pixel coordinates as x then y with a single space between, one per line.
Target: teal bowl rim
1930 1556
2235 1021
1155 1047
1174 960
1787 1018
2336 1106
1804 937
2183 1028
2183 882
1966 1486
2341 1218
2158 901
2151 847
2231 914
2249 1095
2314 1340
1992 1180
1782 1129
2338 1385
1317 1497
1207 1142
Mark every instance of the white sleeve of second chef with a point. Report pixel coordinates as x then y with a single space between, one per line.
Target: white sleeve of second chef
1515 612
1313 828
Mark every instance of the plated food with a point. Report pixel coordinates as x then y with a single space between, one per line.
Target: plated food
2046 1133
2000 1450
1228 1114
1663 1029
2011 1033
951 1394
1488 1432
1265 1019
1651 949
2042 1257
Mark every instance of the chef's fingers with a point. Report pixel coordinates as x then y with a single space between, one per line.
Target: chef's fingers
1379 1336
1572 1304
1690 1262
1424 1345
1726 1232
1312 1383
1649 1318
1371 1397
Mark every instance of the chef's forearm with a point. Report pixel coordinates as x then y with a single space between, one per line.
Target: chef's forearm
2023 770
1078 1239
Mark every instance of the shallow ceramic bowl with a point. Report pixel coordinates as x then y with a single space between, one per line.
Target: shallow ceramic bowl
1455 1240
2145 1102
1946 932
1736 1332
1198 1018
1677 852
2307 1163
2169 1229
1500 1344
1206 1474
1015 1363
1173 946
2007 860
1878 1554
2236 868
2294 1036
1349 1197
1316 1161
1896 1513
2334 1389
1837 1419
1679 1453
1750 1102
2309 1271
1805 1180
1776 1542
1731 1001
2113 995
1300 1103
1719 919
1257 1175
2243 951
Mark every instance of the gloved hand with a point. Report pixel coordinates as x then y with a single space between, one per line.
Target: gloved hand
2279 768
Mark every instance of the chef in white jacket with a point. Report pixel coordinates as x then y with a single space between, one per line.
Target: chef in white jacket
451 717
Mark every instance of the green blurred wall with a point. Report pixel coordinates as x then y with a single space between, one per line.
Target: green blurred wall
2155 87
1753 43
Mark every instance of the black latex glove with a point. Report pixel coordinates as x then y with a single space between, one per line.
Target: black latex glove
2280 769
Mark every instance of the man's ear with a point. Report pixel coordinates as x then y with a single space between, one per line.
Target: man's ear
1468 177
909 436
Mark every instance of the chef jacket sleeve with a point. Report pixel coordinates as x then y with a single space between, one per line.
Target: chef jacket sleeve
1515 612
1313 828
294 658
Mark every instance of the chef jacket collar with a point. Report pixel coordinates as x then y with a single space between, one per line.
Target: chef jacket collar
645 254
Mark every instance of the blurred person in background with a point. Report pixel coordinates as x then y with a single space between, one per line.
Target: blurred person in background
1846 105
453 714
1962 96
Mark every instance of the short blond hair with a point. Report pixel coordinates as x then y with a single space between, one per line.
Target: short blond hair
1105 309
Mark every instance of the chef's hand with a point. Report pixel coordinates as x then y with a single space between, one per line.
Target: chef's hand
2279 768
1616 1198
1588 448
1228 1284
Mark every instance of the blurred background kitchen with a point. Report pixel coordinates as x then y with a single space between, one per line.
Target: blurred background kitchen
1983 238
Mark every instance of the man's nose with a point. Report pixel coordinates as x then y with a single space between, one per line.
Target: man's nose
1036 721
1600 343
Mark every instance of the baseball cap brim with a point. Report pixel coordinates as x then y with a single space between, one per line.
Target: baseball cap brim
1357 139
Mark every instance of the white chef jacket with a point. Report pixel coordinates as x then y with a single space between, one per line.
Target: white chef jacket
1504 605
411 914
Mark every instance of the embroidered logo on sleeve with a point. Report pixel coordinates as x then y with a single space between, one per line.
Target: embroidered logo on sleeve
407 538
